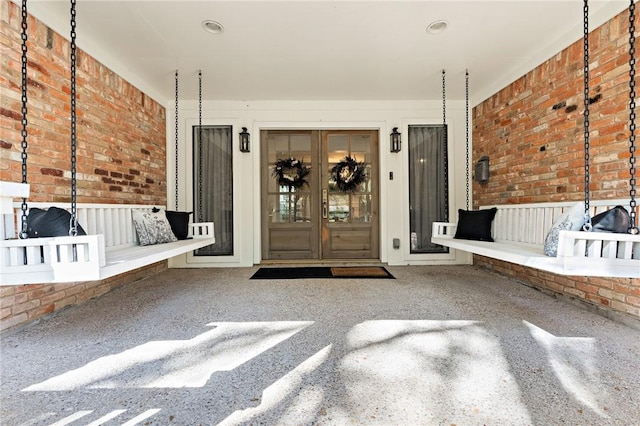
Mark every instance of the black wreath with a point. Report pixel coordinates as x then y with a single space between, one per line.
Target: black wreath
349 174
291 173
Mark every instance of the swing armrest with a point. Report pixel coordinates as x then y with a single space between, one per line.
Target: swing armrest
443 229
202 230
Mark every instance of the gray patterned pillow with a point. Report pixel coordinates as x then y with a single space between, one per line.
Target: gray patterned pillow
152 228
551 241
571 220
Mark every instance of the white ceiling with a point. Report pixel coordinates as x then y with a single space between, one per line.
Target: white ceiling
323 50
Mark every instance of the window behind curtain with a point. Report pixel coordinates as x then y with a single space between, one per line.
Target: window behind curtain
428 190
213 185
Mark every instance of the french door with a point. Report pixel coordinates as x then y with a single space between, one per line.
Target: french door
323 203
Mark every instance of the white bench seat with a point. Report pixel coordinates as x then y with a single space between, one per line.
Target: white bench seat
519 232
109 248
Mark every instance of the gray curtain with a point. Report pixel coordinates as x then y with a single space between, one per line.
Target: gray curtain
427 185
213 185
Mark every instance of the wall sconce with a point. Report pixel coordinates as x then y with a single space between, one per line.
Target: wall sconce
244 140
482 170
396 143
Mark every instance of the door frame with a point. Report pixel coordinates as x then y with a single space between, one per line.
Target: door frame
382 127
331 231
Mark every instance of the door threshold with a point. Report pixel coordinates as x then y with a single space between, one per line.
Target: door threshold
323 262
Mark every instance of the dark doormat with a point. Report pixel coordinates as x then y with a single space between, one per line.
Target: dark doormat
289 273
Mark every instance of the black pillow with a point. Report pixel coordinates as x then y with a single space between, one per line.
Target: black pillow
179 222
53 222
615 220
475 224
35 221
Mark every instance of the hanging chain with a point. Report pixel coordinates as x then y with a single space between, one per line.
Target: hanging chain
633 228
587 215
200 198
444 99
73 221
176 176
445 149
466 88
23 132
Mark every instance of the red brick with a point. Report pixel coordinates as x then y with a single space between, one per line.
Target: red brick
104 142
107 96
535 112
544 108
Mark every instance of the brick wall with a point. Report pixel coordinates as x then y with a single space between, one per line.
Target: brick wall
617 296
532 130
120 131
120 146
22 304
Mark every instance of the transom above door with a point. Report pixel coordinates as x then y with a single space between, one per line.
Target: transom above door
322 203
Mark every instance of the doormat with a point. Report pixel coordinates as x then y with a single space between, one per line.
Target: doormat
321 272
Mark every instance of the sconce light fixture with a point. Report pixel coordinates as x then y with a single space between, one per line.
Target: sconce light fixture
396 143
482 170
244 140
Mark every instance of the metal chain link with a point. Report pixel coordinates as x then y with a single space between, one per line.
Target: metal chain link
466 88
176 133
23 228
633 228
444 98
445 148
200 197
587 215
73 221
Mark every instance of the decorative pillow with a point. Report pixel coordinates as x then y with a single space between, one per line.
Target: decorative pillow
35 222
475 224
152 228
615 220
179 222
53 222
571 220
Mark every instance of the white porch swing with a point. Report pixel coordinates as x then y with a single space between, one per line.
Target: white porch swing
111 246
519 230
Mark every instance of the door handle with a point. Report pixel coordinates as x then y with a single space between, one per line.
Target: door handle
325 204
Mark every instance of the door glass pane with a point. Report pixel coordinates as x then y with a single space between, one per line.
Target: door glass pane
353 206
365 186
339 207
277 206
361 148
286 204
302 208
213 186
338 146
301 148
428 191
361 208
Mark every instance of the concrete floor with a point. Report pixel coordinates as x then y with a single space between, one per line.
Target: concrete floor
435 346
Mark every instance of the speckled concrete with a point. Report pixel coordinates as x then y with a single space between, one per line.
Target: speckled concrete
436 346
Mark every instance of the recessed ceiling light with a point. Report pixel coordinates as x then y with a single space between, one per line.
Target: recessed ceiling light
212 27
436 27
